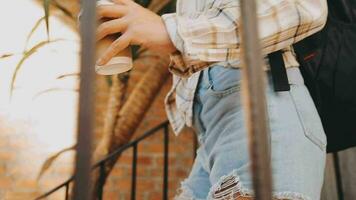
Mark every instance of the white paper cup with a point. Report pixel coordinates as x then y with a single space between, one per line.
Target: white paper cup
120 63
116 65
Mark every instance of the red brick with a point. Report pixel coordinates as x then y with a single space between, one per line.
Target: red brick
150 157
119 172
156 172
110 195
20 141
144 160
146 185
123 184
20 195
160 160
2 170
7 156
174 184
28 184
143 172
5 183
152 148
3 140
155 195
125 160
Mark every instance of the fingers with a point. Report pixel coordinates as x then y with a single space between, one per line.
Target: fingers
110 27
111 11
125 2
118 45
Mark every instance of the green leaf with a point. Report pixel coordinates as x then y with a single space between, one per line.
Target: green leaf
49 161
54 90
26 55
6 55
34 28
108 80
68 75
46 4
63 9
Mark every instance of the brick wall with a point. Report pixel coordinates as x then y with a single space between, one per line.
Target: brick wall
150 152
33 127
21 156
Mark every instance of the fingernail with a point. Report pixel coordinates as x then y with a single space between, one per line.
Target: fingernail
99 62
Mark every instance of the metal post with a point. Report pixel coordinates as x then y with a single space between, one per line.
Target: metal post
166 162
134 172
102 173
67 191
255 101
82 185
340 192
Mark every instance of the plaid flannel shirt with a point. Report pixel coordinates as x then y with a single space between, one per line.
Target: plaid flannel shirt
206 32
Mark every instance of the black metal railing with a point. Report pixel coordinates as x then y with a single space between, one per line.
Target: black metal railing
101 166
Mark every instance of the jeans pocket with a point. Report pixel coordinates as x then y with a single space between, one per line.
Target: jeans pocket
223 81
235 87
308 115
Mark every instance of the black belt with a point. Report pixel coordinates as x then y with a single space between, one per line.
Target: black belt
279 73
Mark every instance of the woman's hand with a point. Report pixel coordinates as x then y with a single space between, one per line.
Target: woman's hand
138 26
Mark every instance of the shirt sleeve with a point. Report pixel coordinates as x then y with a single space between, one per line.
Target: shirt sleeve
212 35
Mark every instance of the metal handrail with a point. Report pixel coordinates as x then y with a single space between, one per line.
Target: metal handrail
255 108
100 164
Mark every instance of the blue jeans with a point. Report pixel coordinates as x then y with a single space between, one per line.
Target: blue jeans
222 166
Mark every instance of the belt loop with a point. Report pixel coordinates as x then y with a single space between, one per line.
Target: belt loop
209 76
295 76
279 73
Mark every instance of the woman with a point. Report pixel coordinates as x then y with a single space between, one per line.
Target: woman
202 39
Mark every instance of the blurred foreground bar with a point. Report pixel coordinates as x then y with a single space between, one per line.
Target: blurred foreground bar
255 101
82 183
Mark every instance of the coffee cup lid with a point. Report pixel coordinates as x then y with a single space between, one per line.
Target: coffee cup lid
104 2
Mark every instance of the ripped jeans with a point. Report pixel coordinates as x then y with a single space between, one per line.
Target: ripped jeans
221 169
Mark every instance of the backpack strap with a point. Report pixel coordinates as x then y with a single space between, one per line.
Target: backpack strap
279 72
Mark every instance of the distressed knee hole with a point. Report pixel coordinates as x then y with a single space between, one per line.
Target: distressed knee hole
229 187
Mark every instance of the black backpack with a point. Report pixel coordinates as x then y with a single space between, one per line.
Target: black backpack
328 65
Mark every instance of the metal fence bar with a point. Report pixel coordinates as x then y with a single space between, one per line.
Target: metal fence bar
101 181
255 101
67 191
82 184
101 164
166 163
337 168
134 172
130 144
55 189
